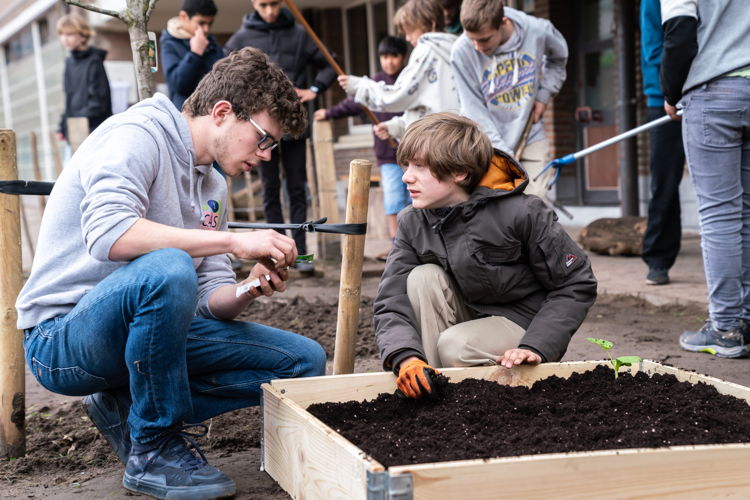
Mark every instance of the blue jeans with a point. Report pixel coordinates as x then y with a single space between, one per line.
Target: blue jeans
137 328
395 194
716 134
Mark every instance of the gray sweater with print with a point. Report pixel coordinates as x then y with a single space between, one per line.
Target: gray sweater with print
137 164
498 91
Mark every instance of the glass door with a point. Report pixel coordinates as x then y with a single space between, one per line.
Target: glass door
598 173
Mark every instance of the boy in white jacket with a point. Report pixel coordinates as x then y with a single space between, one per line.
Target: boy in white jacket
425 85
508 66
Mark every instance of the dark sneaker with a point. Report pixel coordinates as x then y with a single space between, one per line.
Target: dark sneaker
169 468
721 343
657 276
109 413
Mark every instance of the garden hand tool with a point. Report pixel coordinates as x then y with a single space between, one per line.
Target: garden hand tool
256 282
558 163
415 377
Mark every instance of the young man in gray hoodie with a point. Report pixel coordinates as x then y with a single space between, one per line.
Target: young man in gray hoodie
132 297
508 65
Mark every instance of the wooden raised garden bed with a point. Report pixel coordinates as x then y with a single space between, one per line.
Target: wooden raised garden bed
311 461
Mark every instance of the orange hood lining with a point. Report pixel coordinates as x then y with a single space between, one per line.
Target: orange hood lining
502 174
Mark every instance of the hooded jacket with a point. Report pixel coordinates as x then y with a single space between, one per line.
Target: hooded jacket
86 88
287 44
425 86
498 91
508 256
348 107
138 164
183 68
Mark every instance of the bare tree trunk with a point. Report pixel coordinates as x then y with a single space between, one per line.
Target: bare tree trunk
135 16
139 45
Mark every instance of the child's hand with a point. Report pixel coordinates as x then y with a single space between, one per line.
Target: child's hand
320 115
381 131
516 356
199 41
343 81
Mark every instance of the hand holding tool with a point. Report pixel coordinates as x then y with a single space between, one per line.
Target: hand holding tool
256 282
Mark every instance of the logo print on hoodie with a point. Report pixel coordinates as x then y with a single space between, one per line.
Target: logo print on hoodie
509 80
211 215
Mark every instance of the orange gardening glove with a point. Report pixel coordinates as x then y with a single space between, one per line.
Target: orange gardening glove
414 378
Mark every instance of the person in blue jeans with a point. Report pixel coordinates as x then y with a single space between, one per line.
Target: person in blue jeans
188 51
392 52
131 298
706 70
661 242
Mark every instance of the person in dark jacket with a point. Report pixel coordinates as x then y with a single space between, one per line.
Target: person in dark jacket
273 30
480 272
392 51
85 82
188 51
661 242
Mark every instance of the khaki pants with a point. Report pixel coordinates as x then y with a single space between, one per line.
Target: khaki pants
534 158
451 333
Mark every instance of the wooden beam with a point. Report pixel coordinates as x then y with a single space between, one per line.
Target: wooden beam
329 245
78 130
12 391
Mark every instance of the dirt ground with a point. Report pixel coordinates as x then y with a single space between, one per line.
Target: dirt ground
67 459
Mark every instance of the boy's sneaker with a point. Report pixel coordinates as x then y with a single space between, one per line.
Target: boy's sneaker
722 343
168 468
657 276
108 410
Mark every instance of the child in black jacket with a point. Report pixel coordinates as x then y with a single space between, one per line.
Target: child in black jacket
85 82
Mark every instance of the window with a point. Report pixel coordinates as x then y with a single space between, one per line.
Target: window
20 45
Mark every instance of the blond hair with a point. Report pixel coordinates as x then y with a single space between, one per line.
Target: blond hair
74 23
426 15
475 14
448 145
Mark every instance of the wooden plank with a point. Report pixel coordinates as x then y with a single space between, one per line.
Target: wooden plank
307 458
78 130
329 245
716 471
312 181
354 387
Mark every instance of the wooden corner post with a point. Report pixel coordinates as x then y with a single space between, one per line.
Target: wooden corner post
329 245
353 255
12 392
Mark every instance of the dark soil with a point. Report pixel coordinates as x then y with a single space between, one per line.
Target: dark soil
589 411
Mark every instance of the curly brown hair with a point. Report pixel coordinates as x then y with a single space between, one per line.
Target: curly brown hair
251 83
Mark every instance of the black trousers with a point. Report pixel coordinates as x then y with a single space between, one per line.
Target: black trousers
293 156
661 242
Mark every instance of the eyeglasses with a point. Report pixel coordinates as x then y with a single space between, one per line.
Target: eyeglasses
266 142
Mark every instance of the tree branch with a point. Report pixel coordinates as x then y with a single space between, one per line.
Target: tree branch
151 5
94 8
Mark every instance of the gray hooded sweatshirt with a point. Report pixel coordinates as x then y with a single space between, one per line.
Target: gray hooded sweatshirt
425 86
137 164
498 91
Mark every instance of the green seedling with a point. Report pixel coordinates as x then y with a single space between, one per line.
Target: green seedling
305 258
616 362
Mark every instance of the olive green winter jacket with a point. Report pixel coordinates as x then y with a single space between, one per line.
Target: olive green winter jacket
509 257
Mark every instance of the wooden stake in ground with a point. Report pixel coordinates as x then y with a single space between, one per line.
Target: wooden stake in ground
12 392
78 130
351 268
37 169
